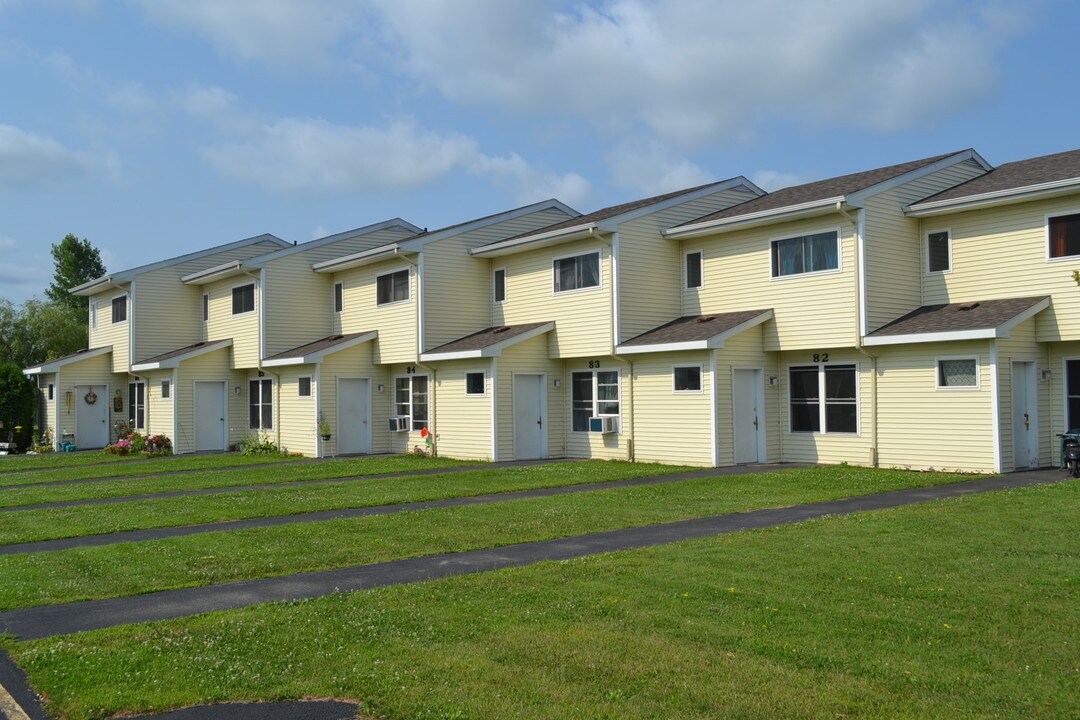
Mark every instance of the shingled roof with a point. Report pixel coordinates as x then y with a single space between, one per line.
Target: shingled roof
695 331
959 321
1014 176
488 341
816 191
316 347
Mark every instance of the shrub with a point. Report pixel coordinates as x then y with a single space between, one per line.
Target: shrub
255 445
158 445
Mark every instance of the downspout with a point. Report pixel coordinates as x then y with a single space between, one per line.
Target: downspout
175 405
318 411
861 321
419 265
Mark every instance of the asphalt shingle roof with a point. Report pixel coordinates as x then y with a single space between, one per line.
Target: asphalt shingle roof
694 327
820 190
1015 175
486 338
317 346
177 352
953 317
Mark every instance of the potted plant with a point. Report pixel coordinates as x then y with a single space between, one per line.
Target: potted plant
324 428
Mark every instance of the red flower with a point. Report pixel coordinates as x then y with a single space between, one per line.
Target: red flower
424 432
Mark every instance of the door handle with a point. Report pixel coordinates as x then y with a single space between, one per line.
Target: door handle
1027 421
755 421
540 422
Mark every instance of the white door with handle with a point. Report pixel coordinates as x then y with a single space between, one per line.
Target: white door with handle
530 417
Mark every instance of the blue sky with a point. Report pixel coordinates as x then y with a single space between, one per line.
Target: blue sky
155 128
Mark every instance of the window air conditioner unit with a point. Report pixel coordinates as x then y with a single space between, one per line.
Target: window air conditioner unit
604 425
399 423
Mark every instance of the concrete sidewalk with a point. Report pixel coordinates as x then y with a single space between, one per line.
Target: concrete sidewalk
39 622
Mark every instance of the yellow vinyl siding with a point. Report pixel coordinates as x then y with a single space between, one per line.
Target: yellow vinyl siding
1002 252
107 333
168 313
813 310
395 322
670 427
582 317
531 356
894 257
243 329
650 266
299 303
744 351
922 427
356 362
463 424
47 409
159 410
296 415
212 367
457 286
92 371
827 447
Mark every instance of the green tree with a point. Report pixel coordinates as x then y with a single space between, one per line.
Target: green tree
17 397
38 331
76 261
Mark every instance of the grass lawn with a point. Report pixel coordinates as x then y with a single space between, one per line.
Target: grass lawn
120 486
960 608
133 568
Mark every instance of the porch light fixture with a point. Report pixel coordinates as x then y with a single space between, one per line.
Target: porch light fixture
1045 374
381 387
557 382
236 390
774 380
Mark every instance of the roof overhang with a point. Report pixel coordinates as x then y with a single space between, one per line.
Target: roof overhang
1000 197
489 351
539 240
715 342
99 285
218 272
365 257
1001 331
55 365
175 361
317 357
763 217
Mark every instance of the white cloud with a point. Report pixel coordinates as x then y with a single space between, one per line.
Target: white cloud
650 168
699 72
218 106
29 160
533 185
770 180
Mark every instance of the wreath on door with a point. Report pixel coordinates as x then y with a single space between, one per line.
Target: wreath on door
90 397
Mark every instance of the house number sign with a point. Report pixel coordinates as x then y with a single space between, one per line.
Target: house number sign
821 357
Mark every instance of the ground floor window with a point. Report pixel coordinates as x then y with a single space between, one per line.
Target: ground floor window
593 394
261 404
1072 394
411 399
137 405
824 396
166 389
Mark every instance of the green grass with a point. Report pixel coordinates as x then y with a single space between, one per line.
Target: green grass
956 609
132 466
195 480
17 463
133 568
52 523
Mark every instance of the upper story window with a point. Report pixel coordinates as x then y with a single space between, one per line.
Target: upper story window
578 272
339 300
206 307
692 270
119 309
93 316
1064 232
806 254
939 251
499 282
243 299
392 287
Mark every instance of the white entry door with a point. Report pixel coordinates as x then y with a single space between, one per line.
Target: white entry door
530 417
354 416
1025 415
91 416
209 416
747 392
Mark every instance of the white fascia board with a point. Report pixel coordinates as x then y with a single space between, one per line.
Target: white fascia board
1003 330
491 350
990 199
859 197
716 342
100 285
261 260
55 365
539 240
317 357
739 222
365 257
417 244
218 272
174 362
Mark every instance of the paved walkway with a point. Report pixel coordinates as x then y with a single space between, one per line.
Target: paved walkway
48 621
324 515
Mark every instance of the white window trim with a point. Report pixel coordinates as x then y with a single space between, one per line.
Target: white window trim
926 247
394 403
701 379
1046 236
506 293
334 295
474 372
166 384
599 276
254 298
821 387
133 410
311 387
127 308
686 253
392 302
595 395
274 389
815 273
205 307
961 388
